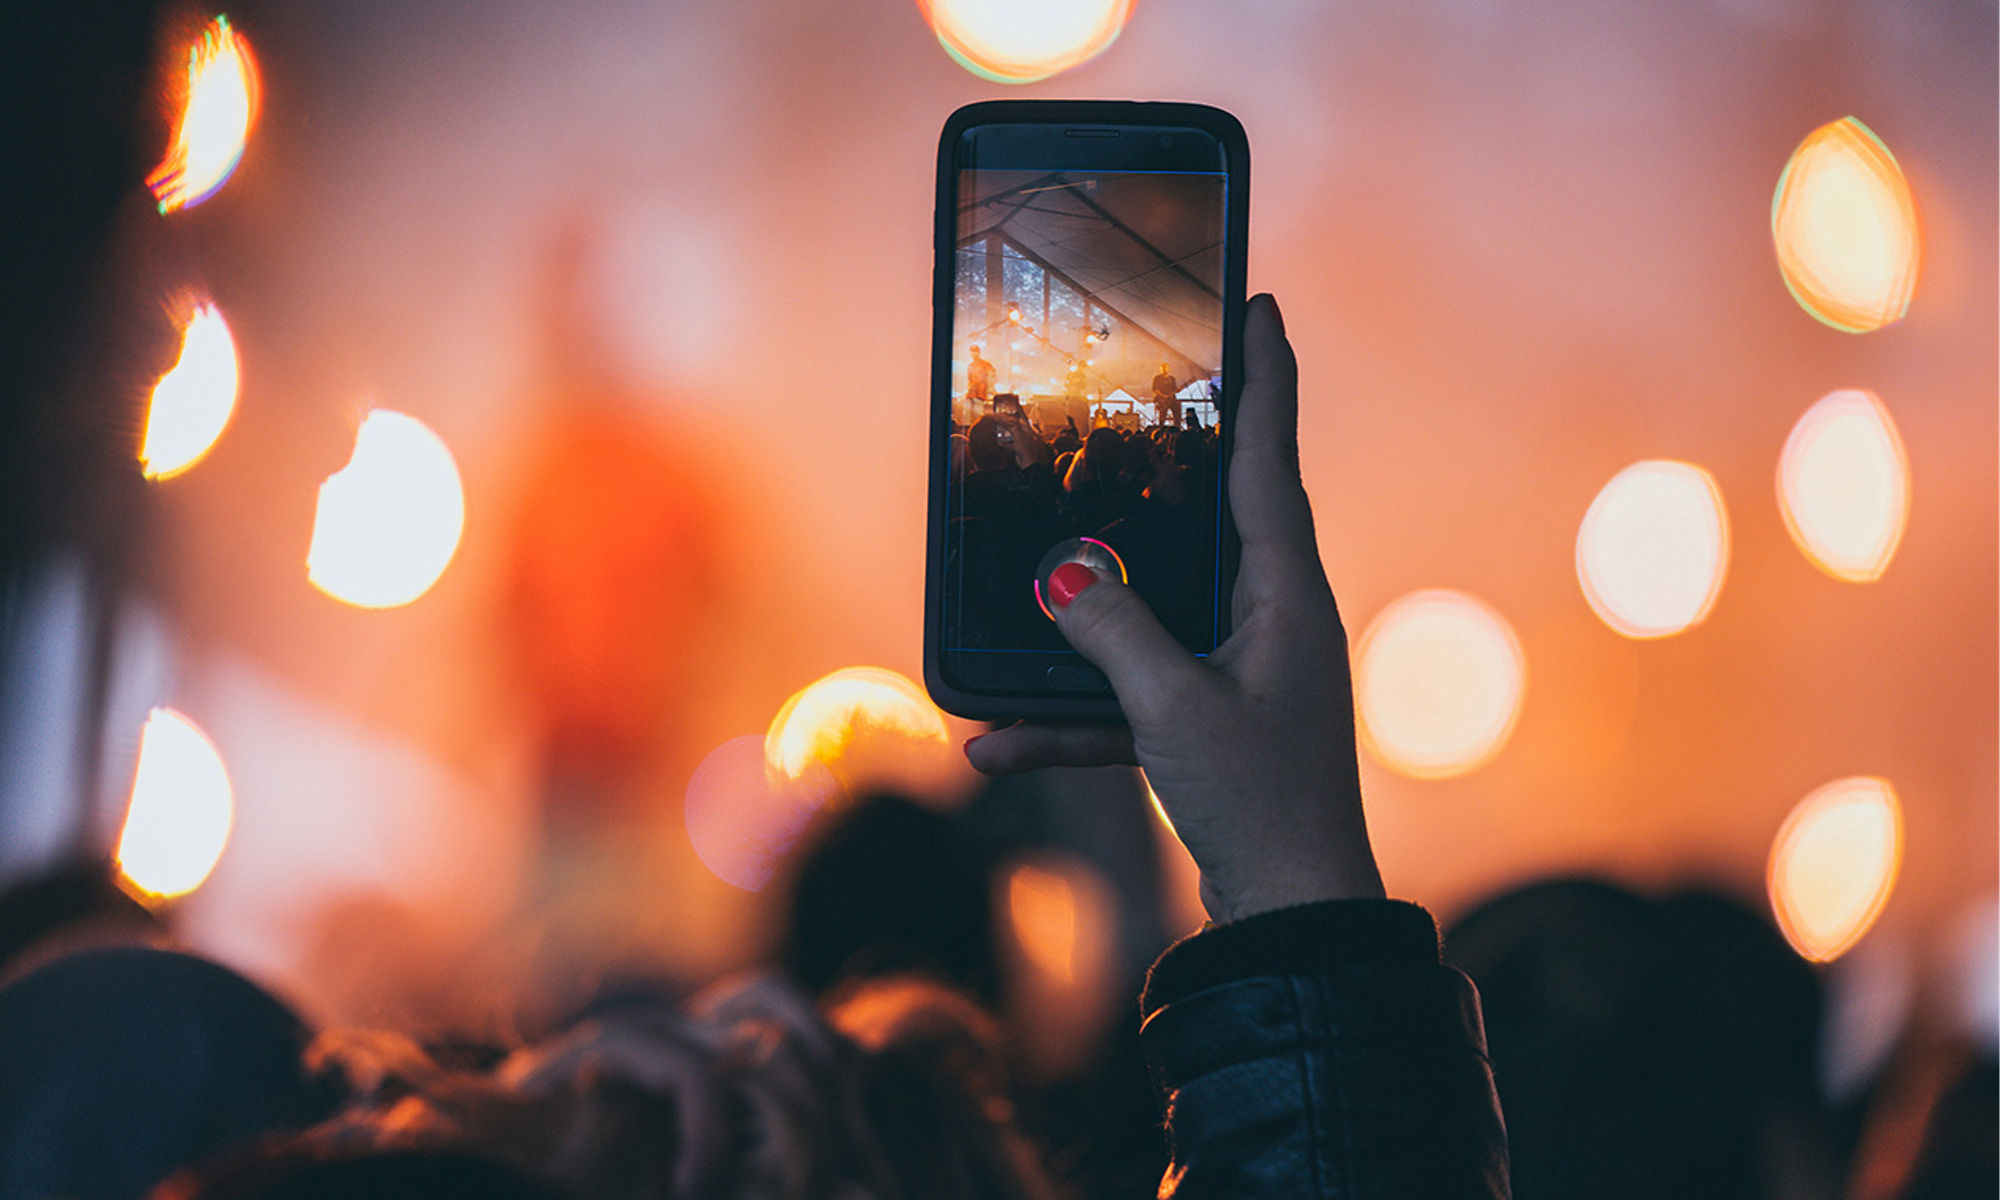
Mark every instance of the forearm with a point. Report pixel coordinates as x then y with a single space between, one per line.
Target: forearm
1322 1051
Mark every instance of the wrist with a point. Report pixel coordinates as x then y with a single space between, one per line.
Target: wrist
1235 899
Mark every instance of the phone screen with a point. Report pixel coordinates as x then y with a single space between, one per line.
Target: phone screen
1086 407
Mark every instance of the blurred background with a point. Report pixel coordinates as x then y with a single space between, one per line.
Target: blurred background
555 553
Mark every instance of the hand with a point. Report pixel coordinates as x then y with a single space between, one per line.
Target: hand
1251 752
1029 448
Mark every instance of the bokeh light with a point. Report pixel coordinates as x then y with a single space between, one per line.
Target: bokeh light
181 809
1438 682
1844 485
864 724
215 120
192 402
1020 41
389 521
1834 863
1041 904
1060 938
1845 227
1063 917
742 817
1653 549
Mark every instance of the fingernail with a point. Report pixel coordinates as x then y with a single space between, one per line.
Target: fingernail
968 741
1067 582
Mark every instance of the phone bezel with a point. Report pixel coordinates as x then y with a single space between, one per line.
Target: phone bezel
962 697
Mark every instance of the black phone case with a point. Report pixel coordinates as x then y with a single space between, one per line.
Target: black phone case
1228 132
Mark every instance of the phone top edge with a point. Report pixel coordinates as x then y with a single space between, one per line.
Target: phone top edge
1146 113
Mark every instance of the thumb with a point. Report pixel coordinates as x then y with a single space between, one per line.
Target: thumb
1111 626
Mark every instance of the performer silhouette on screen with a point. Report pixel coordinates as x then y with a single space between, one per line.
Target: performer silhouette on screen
1164 400
978 379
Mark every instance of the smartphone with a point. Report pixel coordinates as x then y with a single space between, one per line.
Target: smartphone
1090 265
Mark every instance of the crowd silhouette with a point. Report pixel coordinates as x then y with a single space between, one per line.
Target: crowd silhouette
1149 492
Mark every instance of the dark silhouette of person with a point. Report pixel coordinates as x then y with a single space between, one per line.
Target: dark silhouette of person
886 887
120 1066
1164 398
1626 1032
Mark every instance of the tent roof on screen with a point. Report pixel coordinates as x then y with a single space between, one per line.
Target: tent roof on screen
1147 248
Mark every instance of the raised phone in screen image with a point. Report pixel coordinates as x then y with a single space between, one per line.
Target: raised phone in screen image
1086 380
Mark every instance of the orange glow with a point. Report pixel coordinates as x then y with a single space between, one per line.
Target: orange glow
859 723
1439 677
389 521
1654 549
178 820
1020 41
1844 485
215 120
1834 864
192 402
1042 906
742 817
1845 227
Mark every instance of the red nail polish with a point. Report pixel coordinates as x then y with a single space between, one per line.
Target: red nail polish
1067 582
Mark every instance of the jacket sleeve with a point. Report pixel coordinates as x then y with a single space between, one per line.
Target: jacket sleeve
1322 1051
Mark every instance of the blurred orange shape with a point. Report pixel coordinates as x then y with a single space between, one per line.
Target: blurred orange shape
193 402
1834 863
1845 227
742 818
1844 485
1020 41
215 120
181 808
389 521
1439 678
1653 549
861 723
1041 904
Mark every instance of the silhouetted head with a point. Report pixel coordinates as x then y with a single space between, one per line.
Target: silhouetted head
68 908
984 445
887 887
1190 448
1624 1063
120 1066
1103 454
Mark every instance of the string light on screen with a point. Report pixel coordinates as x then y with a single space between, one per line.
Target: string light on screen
389 521
1834 863
192 403
216 117
1021 41
1438 681
1653 549
1845 227
1844 485
864 724
179 817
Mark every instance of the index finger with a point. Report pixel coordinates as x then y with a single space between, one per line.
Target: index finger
1029 747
